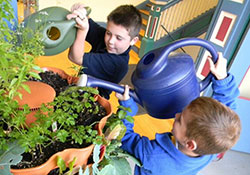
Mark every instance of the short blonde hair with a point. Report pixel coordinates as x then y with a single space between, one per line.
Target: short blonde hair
214 126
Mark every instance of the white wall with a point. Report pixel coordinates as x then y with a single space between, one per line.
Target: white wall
100 8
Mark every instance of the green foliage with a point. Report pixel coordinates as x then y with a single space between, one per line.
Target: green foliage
8 157
6 14
68 105
115 159
17 54
62 165
64 113
18 51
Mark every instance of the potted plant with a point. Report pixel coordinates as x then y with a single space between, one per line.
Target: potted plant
58 124
18 51
17 54
61 130
115 160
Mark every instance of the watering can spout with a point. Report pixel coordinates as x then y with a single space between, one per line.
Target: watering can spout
90 81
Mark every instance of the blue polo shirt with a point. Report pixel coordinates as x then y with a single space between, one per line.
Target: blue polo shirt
101 64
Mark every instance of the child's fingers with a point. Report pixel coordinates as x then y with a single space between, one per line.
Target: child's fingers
79 13
126 92
125 95
221 60
71 16
119 95
211 64
77 6
219 69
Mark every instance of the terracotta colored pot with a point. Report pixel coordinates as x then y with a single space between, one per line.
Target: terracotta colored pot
39 93
68 155
63 74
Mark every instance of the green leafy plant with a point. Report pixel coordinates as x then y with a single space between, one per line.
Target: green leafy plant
56 122
18 51
17 54
68 105
8 157
62 165
115 160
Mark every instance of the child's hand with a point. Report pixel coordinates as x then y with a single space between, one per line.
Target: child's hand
125 95
79 13
220 68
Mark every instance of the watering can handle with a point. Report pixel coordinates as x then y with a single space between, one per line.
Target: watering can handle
157 65
65 27
90 81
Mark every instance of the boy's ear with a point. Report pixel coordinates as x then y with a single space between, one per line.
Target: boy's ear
134 40
191 145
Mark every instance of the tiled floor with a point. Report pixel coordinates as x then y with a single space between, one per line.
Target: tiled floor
233 163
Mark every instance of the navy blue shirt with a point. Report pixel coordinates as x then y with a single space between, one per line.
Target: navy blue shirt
101 64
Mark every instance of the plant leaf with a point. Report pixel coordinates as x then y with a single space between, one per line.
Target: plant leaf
120 166
26 87
135 160
11 156
96 153
108 170
61 164
71 164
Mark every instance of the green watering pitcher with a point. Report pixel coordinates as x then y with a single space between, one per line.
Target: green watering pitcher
58 33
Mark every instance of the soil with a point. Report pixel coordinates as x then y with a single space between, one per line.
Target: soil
54 80
36 158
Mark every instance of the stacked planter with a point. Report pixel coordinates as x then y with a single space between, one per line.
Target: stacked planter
82 155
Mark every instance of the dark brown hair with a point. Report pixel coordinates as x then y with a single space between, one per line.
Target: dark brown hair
129 17
214 126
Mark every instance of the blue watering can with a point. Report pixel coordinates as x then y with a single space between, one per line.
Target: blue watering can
163 84
58 33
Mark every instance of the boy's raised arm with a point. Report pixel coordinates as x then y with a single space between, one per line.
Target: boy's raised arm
76 51
224 86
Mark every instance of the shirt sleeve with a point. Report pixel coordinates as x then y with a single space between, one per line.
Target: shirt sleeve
95 36
226 91
106 66
132 142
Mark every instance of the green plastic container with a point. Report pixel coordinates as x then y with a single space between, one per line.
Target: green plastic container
58 33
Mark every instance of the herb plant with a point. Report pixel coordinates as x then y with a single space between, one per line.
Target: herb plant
115 160
17 54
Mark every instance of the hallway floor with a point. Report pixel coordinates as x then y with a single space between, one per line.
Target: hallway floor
233 163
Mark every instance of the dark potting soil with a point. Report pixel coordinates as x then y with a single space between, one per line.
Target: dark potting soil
54 80
39 157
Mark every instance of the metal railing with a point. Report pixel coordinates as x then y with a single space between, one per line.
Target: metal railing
181 13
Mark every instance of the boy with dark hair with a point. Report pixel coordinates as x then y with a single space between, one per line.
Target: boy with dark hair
109 56
203 130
